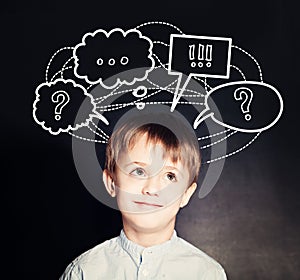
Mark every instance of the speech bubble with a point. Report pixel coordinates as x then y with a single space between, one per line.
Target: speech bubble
57 103
245 106
200 56
103 54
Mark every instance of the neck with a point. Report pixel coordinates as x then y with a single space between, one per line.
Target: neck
148 237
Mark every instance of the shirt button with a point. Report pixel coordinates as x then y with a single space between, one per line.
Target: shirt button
145 272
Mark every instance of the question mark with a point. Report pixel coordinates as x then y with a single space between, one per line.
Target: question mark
62 98
246 95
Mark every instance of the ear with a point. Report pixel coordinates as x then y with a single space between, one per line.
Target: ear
108 182
187 195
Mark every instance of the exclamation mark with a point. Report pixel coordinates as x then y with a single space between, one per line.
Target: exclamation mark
200 54
192 55
208 55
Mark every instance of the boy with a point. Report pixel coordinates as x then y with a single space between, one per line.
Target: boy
152 171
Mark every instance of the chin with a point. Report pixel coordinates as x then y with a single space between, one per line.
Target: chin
151 220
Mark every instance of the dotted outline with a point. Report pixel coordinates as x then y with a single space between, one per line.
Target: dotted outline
161 43
161 23
123 105
169 89
240 71
100 130
159 61
218 141
94 131
52 57
70 59
236 151
213 135
87 139
258 66
57 73
203 81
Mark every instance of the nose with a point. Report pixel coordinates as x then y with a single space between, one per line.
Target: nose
151 186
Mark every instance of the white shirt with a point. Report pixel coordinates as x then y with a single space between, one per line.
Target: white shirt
119 258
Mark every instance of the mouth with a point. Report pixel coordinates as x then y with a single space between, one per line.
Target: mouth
142 203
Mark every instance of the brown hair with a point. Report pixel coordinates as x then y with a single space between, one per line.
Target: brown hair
179 146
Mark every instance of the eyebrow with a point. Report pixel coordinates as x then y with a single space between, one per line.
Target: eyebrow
170 167
136 163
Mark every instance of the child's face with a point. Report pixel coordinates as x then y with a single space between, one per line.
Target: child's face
147 185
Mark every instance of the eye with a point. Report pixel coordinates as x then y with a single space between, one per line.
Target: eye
138 172
171 177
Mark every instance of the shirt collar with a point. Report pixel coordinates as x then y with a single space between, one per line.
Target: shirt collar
137 251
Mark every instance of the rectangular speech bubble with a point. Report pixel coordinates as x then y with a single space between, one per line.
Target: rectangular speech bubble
201 56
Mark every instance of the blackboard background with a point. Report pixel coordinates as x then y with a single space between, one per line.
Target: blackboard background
249 223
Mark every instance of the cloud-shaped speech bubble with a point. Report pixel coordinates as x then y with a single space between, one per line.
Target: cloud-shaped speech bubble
245 106
57 103
103 54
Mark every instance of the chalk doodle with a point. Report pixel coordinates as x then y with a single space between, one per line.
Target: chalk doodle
110 71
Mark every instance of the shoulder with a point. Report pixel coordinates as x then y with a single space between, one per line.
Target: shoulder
96 253
199 260
90 259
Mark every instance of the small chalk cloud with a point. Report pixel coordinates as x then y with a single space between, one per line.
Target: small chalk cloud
103 54
57 103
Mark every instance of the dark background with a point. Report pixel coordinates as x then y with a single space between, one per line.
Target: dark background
249 223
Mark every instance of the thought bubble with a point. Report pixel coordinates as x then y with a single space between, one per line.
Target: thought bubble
57 103
245 106
200 56
103 54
